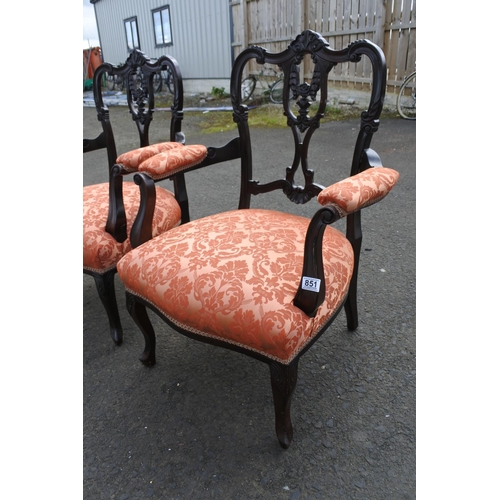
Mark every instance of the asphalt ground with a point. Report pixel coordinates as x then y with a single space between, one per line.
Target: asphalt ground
200 423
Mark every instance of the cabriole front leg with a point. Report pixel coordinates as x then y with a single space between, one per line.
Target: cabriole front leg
283 381
105 284
139 314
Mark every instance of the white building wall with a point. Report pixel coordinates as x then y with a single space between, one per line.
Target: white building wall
201 35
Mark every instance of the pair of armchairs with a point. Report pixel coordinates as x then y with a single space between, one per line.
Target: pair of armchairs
261 282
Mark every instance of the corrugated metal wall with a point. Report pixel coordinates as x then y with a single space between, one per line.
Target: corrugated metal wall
201 33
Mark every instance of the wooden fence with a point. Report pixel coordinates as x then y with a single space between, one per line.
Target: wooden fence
391 24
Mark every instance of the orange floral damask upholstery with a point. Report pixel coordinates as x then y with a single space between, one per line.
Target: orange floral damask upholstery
233 276
359 191
163 159
173 161
132 159
101 251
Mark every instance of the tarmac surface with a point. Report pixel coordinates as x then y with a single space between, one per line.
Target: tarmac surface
200 423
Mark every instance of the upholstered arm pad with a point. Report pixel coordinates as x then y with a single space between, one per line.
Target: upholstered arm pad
132 159
359 191
175 160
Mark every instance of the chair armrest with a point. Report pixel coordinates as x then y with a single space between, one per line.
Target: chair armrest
132 159
167 163
166 160
116 223
214 155
142 228
359 191
340 199
307 298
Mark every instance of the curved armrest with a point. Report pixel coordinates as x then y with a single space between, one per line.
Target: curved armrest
132 159
173 161
116 224
311 292
339 200
359 191
166 160
142 228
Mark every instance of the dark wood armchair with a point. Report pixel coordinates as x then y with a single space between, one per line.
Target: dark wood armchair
110 208
262 282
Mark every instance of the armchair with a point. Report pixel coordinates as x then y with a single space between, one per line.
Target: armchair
262 282
110 208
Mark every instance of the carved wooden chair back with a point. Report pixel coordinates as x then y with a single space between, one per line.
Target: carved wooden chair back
110 208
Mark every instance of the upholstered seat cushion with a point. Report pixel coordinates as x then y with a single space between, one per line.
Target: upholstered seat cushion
101 251
233 276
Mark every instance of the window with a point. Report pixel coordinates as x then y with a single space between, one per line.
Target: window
162 26
132 34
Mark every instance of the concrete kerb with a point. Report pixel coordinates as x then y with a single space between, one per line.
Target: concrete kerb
337 98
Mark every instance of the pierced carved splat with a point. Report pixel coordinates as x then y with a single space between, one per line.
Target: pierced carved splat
139 97
137 73
298 96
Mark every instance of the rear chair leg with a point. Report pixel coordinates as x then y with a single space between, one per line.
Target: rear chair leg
355 236
283 381
351 305
139 314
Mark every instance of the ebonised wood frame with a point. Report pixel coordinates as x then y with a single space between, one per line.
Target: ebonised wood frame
137 72
284 376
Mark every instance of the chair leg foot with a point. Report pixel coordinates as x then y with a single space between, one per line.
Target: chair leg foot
140 316
105 284
283 381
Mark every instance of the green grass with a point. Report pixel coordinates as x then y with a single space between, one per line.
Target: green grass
265 116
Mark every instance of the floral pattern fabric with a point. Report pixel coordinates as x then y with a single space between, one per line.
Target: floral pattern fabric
233 276
101 251
358 191
132 159
174 160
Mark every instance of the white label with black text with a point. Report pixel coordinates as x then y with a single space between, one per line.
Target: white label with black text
311 284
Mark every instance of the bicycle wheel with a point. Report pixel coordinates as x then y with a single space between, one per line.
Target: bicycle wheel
247 88
167 79
276 94
157 82
407 98
110 81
